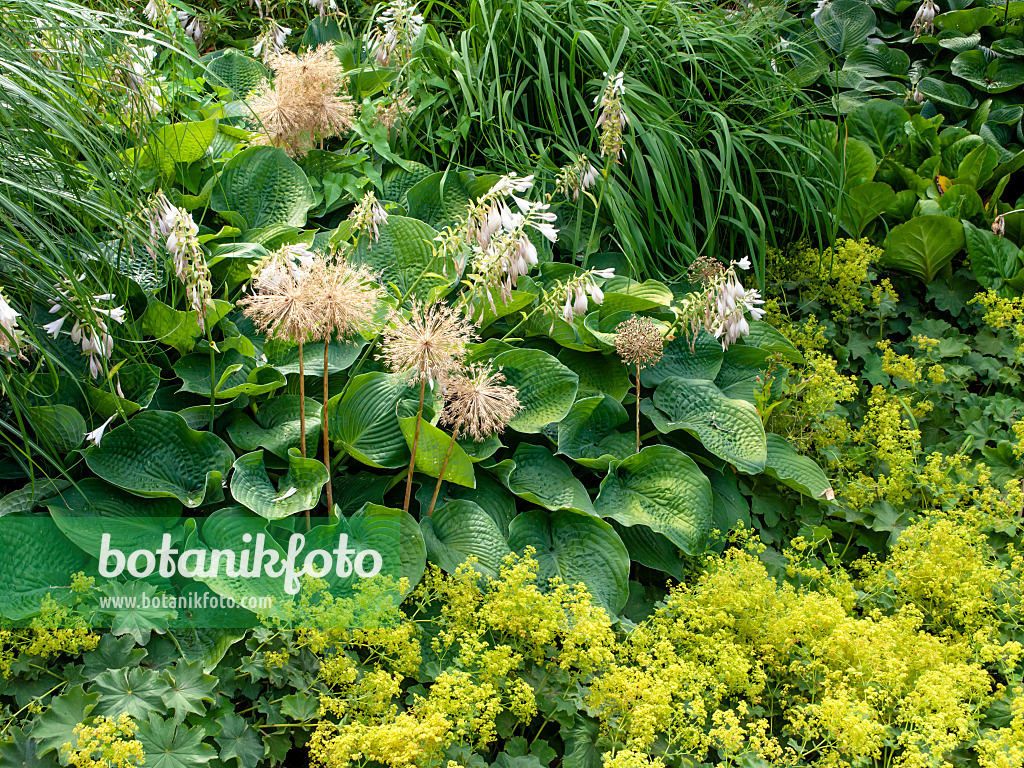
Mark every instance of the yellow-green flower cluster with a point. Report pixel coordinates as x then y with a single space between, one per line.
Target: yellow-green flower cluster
106 743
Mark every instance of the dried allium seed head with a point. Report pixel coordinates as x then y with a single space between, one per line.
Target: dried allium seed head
638 341
704 269
283 302
345 297
479 405
429 345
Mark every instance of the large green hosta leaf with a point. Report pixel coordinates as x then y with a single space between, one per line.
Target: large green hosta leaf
730 429
179 143
60 428
702 362
794 470
440 200
235 375
264 186
598 374
277 426
38 560
365 420
661 488
589 434
177 328
624 294
536 475
923 245
296 491
284 356
546 388
233 69
575 548
404 255
431 450
460 530
652 549
997 76
156 454
91 508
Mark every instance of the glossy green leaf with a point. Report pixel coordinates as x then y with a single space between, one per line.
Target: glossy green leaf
598 374
998 76
546 388
663 489
729 428
702 362
575 548
296 491
264 186
795 470
431 450
460 530
589 433
923 245
45 563
156 454
235 375
276 426
404 256
536 475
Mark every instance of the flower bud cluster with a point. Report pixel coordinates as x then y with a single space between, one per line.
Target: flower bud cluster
577 290
90 329
367 217
399 26
175 229
612 119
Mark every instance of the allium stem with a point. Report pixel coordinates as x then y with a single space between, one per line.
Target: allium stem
302 416
440 475
323 430
638 407
415 445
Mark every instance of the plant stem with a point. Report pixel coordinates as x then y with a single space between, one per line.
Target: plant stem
302 416
323 431
440 475
415 444
638 407
213 378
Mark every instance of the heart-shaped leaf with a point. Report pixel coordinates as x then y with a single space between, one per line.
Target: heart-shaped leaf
460 530
156 454
575 548
434 444
923 245
730 429
264 186
536 475
661 488
277 426
297 490
546 388
589 433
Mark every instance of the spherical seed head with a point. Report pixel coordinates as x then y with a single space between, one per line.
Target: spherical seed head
282 303
345 297
479 405
638 341
428 345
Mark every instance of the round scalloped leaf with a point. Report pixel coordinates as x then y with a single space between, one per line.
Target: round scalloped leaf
364 419
297 490
598 374
431 450
236 375
575 548
536 475
404 255
45 561
156 454
547 389
234 70
703 362
730 429
92 507
460 530
798 472
589 433
663 489
844 25
277 426
264 186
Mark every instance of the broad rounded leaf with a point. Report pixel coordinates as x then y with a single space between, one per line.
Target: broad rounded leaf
45 561
297 490
546 388
575 548
678 359
459 530
1002 74
404 255
277 426
60 428
730 429
536 475
947 93
233 69
156 454
589 433
440 200
879 123
179 143
598 374
924 245
661 488
235 375
264 186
